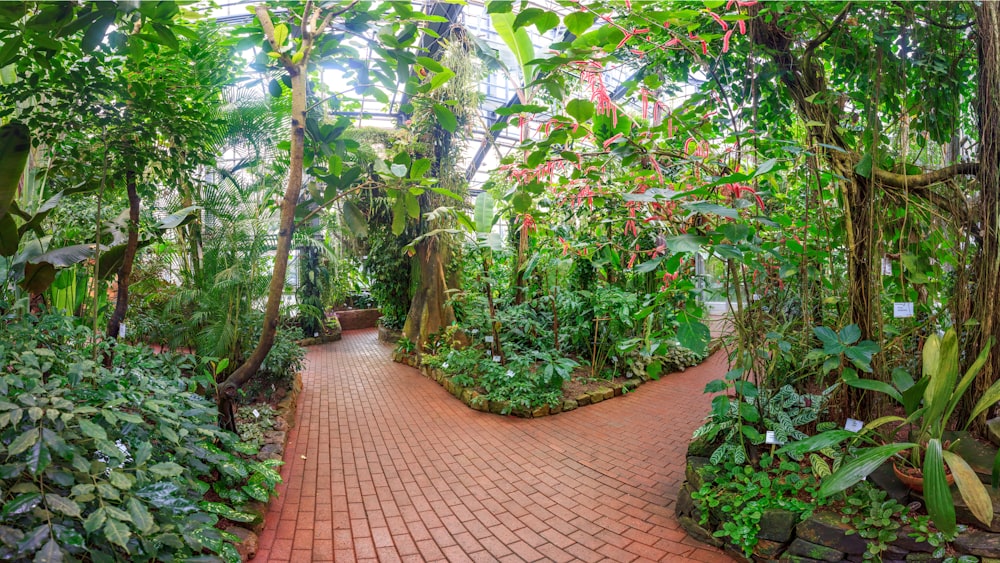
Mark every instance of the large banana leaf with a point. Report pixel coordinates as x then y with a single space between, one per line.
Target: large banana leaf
484 213
936 490
973 492
15 144
517 41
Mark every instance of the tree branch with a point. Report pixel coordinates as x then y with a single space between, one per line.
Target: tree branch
264 17
826 34
910 181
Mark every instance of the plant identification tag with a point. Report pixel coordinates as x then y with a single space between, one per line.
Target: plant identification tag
770 439
886 266
496 359
900 310
256 413
488 339
853 425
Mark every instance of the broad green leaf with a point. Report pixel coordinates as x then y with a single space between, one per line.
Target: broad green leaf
141 517
419 168
280 35
430 64
445 117
578 22
874 385
355 219
827 337
864 166
21 504
989 398
94 522
92 430
521 201
23 442
399 215
518 42
942 383
693 335
940 505
412 205
971 488
39 458
866 461
63 505
484 213
648 266
9 237
580 110
499 6
850 334
685 243
15 144
817 442
167 469
707 208
440 78
179 218
398 170
50 553
117 532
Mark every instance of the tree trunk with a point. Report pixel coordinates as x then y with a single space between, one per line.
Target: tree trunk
428 310
229 388
128 259
986 264
804 78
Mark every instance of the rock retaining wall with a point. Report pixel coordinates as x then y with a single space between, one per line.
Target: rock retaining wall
823 536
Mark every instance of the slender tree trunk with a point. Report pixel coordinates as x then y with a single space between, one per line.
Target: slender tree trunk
986 264
228 389
131 247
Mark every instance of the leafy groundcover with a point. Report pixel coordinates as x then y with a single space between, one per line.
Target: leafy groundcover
114 463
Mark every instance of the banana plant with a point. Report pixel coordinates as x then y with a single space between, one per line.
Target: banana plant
929 404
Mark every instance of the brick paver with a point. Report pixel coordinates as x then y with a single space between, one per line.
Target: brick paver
384 465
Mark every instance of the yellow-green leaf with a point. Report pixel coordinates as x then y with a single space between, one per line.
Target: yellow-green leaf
971 488
280 35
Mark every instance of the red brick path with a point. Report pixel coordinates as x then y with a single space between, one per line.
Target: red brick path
384 464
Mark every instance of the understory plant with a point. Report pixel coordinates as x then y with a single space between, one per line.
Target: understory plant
928 404
113 463
739 422
739 494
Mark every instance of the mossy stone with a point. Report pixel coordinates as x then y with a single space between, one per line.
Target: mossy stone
814 551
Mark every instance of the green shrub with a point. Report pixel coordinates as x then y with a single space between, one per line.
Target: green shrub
111 464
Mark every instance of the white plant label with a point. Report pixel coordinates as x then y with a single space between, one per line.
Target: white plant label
770 439
853 425
496 359
489 339
886 266
900 310
256 413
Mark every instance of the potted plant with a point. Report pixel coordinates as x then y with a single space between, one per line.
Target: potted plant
928 404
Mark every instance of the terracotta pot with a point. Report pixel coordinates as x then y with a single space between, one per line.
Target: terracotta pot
917 483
